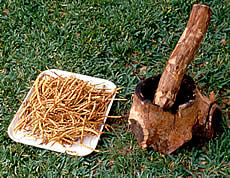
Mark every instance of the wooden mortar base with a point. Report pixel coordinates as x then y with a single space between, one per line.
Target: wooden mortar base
192 114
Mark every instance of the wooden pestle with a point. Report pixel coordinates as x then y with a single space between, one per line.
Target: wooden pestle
182 55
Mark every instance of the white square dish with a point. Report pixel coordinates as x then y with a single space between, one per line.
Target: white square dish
89 141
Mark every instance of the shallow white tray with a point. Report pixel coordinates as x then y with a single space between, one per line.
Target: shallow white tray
90 141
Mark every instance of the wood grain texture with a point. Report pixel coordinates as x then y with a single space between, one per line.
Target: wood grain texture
167 130
182 55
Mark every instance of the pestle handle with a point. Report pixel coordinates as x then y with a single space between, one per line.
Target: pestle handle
182 55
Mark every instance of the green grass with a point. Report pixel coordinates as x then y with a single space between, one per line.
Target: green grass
114 40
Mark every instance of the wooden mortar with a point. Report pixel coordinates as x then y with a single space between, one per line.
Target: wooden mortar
168 110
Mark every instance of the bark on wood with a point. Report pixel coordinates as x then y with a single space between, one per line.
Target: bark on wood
182 55
167 130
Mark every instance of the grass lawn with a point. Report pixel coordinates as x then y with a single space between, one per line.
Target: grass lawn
122 41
